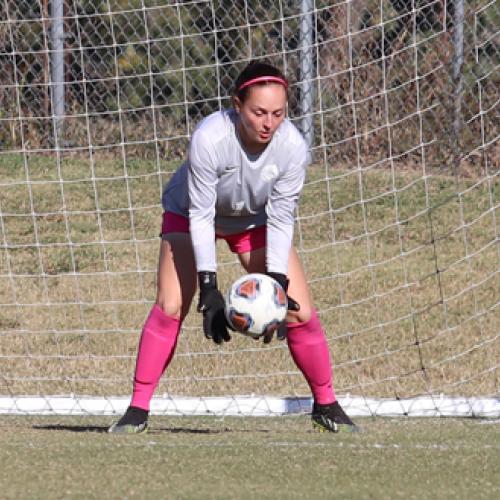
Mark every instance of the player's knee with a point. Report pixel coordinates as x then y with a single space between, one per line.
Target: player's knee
301 316
170 307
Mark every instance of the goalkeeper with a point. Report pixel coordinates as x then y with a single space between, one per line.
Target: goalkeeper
241 183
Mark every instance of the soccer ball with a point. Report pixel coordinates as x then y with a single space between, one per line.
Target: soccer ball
255 304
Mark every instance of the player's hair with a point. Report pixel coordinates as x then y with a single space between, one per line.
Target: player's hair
257 73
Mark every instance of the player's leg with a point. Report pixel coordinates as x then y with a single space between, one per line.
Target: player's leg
310 350
176 286
307 344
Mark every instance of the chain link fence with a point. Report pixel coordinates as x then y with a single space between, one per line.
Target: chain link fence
369 77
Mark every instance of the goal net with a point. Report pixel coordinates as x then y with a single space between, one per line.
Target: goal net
397 226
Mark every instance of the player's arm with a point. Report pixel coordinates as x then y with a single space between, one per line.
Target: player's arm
202 189
280 210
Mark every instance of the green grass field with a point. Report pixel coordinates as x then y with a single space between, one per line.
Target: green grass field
246 458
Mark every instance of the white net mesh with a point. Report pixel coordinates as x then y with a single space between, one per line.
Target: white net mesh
397 226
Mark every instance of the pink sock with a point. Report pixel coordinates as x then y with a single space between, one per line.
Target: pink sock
309 350
156 348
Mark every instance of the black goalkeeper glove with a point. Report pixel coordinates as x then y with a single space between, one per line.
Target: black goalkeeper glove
211 304
292 306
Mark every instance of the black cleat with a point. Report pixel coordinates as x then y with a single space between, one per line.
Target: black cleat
332 418
134 421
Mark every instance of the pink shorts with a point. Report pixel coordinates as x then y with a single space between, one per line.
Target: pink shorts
244 242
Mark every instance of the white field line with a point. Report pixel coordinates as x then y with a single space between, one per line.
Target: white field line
136 442
438 405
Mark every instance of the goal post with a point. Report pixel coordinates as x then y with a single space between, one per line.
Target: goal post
397 225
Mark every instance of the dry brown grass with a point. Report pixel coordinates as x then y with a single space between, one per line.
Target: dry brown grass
408 307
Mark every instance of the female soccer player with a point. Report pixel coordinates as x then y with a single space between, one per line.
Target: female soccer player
241 182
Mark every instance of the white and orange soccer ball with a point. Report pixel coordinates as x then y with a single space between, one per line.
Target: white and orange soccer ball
255 304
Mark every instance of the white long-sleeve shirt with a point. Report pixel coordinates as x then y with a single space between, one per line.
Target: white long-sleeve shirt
224 190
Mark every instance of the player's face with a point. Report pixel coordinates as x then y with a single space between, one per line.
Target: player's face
260 114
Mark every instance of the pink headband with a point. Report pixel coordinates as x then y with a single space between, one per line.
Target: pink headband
275 79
